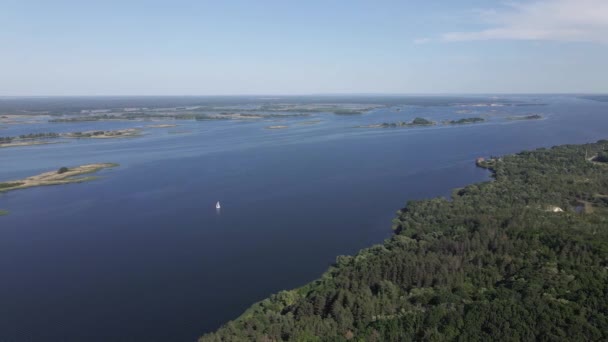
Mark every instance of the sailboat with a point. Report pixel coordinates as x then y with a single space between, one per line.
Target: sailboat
217 205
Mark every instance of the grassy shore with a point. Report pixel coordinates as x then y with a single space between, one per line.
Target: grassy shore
62 176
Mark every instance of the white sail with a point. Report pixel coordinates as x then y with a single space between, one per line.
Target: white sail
217 205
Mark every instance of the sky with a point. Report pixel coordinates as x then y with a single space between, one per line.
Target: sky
233 47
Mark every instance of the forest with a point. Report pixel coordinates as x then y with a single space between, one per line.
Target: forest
495 261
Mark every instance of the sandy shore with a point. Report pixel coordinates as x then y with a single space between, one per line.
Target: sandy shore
55 178
26 143
161 126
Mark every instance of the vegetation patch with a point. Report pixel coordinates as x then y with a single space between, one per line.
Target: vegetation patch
602 157
466 121
8 185
526 117
413 123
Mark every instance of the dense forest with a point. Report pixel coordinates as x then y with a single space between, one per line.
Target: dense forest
522 257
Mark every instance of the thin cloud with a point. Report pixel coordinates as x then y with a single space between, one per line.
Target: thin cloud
555 20
422 40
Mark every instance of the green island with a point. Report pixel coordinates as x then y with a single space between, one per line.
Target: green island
3 212
335 108
27 139
497 261
526 117
63 175
43 138
347 112
205 113
465 121
413 123
120 133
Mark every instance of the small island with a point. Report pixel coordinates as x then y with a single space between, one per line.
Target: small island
3 212
28 139
277 127
121 133
413 123
347 112
42 138
526 117
63 175
465 121
162 126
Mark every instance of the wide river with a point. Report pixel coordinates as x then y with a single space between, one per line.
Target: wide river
141 254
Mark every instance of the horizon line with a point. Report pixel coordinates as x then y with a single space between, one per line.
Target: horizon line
315 94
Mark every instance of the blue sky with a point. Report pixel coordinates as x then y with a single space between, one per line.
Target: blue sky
288 47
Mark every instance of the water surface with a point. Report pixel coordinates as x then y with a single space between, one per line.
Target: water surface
141 254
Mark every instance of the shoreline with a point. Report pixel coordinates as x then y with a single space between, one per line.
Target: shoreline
114 134
490 220
28 143
43 139
57 177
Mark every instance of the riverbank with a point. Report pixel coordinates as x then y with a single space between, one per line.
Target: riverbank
61 176
493 250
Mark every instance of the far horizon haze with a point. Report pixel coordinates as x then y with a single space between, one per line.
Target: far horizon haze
191 48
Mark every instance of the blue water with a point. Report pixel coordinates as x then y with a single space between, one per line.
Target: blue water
141 254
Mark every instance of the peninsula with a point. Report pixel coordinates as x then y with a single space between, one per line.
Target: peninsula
63 175
517 249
